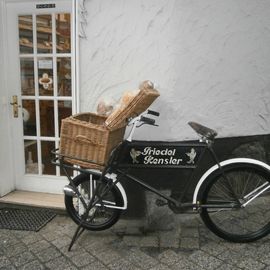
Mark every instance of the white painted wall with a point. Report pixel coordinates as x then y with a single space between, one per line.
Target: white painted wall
211 60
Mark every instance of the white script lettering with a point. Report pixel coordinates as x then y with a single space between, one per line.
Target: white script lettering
162 161
157 152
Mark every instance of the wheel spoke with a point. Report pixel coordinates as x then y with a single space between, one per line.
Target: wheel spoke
245 188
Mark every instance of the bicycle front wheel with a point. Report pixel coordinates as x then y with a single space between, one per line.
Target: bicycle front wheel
237 203
101 216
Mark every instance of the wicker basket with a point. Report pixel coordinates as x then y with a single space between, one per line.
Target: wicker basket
136 106
91 137
85 136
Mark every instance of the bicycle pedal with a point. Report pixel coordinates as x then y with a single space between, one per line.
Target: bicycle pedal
160 202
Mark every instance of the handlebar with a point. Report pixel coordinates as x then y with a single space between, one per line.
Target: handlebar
147 120
135 122
153 112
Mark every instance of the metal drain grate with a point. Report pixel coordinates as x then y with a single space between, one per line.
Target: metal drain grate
25 219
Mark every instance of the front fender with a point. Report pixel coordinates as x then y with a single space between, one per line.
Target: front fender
121 189
224 163
113 176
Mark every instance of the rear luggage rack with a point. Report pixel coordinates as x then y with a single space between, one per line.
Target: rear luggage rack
61 161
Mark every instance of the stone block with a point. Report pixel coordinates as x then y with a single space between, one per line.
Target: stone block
189 243
169 257
149 241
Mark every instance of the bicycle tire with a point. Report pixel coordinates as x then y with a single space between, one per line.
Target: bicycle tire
240 224
98 222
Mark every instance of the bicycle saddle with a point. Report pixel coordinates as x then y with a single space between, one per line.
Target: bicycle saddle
206 132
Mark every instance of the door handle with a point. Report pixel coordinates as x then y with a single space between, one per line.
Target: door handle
15 105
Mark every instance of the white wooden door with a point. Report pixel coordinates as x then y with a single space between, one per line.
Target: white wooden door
41 75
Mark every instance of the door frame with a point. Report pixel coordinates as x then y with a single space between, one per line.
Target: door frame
9 170
7 182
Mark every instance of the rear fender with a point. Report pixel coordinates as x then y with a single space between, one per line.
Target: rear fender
225 163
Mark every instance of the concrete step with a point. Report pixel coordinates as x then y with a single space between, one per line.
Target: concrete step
28 199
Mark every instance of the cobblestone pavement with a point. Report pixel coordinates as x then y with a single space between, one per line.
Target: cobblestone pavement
125 247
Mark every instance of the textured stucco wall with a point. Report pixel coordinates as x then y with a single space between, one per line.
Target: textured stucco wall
211 60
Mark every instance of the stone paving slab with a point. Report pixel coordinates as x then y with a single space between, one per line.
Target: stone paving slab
187 247
169 239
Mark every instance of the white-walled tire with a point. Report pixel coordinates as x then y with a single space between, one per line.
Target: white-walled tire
237 224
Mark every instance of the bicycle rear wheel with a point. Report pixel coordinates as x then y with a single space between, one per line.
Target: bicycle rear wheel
237 204
101 216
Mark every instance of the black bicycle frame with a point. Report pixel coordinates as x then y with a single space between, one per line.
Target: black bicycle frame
154 155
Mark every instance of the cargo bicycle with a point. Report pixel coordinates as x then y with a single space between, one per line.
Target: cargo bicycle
232 196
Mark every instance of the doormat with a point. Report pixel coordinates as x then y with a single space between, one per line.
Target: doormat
24 219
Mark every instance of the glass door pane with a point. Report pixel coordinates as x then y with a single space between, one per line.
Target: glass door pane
29 117
30 155
64 76
27 77
44 33
46 113
63 33
47 166
45 76
26 33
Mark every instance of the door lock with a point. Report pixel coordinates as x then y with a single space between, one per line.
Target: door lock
15 105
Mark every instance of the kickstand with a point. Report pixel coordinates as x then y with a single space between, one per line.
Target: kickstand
81 229
76 235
